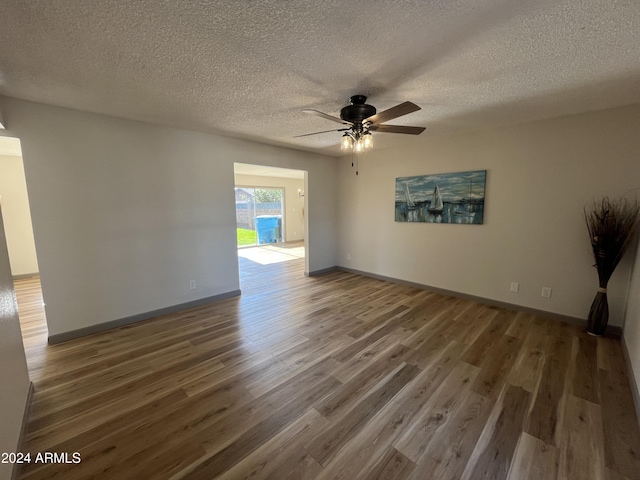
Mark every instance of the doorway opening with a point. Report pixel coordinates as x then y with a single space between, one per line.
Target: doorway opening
270 221
22 250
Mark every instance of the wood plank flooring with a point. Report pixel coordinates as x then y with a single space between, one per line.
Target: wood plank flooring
332 377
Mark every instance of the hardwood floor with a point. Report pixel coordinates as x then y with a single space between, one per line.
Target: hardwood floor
332 377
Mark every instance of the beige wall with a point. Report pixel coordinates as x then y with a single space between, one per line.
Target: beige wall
17 217
126 213
293 203
540 175
631 335
14 377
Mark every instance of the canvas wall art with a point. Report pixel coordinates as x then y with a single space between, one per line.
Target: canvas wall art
442 198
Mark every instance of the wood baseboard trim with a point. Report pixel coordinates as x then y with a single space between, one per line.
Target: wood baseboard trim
101 327
612 331
635 391
23 429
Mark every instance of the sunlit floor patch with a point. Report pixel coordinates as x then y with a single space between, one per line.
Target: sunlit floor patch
269 254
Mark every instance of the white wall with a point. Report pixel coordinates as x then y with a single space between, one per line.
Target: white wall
293 203
14 377
631 335
17 217
126 213
540 175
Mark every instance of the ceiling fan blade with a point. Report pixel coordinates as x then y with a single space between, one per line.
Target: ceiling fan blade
328 117
397 129
393 112
326 131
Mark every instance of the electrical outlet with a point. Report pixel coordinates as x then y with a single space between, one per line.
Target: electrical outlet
515 287
348 256
192 284
546 292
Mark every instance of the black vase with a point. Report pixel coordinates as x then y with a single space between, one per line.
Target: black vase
598 314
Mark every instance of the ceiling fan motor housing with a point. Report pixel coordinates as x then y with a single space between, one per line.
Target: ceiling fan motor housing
358 110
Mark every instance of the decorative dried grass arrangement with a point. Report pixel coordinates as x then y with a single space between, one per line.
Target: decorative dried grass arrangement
612 226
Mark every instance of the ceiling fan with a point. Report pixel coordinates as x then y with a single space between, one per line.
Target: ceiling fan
361 119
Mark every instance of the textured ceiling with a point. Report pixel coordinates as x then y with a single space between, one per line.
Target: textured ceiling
248 68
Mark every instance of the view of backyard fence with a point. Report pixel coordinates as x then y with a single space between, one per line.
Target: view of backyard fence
252 203
246 212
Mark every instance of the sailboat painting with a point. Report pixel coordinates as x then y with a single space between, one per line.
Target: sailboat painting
442 198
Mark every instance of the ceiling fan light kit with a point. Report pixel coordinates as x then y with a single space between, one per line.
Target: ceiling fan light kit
356 141
361 119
